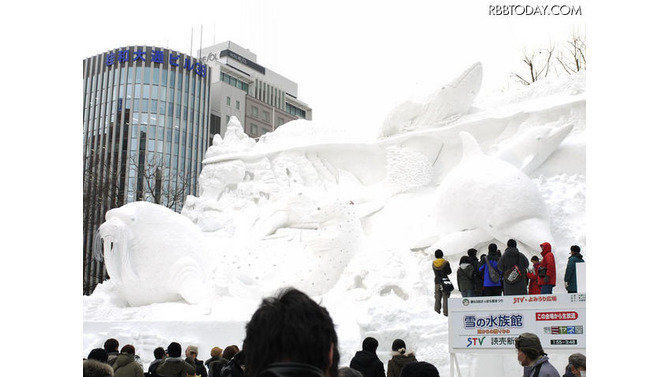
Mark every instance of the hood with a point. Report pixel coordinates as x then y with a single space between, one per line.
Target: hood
577 255
512 251
463 266
439 263
124 359
546 248
96 368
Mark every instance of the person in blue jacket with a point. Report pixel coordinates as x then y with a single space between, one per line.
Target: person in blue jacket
491 288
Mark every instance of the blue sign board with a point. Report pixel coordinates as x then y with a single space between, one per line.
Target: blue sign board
157 56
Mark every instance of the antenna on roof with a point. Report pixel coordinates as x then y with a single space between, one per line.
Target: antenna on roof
191 51
200 50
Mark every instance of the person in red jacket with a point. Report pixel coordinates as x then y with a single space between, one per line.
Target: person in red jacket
533 284
548 281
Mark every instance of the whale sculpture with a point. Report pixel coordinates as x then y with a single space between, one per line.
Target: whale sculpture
485 199
529 150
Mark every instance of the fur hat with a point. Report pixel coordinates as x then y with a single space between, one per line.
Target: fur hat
419 369
439 253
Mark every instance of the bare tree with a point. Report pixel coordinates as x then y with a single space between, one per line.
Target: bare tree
538 64
573 58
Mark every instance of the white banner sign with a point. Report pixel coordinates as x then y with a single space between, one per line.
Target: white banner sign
490 323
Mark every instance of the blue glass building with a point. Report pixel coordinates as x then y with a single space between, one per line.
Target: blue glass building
146 129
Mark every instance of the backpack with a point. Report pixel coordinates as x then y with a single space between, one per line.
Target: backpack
493 273
513 275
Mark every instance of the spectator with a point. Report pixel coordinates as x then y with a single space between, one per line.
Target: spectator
465 277
533 283
441 270
532 357
159 356
576 366
98 354
478 277
548 281
234 368
174 365
419 369
192 358
215 363
366 361
570 278
348 372
125 364
399 358
291 335
491 288
513 262
229 352
112 347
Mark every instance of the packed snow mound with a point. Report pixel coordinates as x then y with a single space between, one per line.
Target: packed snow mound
353 222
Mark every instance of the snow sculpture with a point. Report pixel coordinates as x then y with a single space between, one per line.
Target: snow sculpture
447 104
529 150
485 199
154 255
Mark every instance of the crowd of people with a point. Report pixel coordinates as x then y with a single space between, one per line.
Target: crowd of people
499 273
290 335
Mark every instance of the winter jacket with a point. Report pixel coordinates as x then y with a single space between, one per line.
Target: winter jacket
151 372
512 257
493 261
546 369
464 276
175 367
94 368
112 357
199 367
368 364
397 362
571 272
477 276
126 366
441 269
533 283
548 262
214 365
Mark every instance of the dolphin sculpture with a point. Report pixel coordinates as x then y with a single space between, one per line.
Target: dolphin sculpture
484 199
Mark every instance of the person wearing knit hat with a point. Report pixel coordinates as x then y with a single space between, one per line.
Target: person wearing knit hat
419 369
570 278
399 358
191 354
366 361
125 364
441 270
532 357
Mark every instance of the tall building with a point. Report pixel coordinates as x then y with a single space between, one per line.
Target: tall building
260 98
146 130
150 114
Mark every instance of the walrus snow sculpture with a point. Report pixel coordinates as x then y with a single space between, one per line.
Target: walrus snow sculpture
154 255
484 199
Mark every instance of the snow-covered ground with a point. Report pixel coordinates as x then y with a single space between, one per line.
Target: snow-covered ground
354 222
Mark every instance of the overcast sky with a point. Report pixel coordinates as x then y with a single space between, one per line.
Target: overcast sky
352 60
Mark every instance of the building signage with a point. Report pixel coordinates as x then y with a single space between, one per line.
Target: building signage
242 60
492 323
174 59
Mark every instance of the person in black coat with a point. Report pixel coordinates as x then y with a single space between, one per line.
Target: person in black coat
366 361
441 270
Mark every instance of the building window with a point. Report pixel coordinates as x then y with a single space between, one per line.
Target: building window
228 101
237 105
254 111
253 129
266 116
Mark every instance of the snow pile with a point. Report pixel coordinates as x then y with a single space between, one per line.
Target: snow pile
352 222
